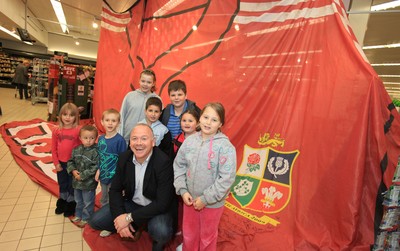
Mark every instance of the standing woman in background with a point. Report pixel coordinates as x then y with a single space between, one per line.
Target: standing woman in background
21 78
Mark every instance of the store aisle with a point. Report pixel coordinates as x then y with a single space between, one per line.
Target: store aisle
27 219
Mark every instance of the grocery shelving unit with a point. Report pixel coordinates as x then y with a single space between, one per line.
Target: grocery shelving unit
39 80
6 70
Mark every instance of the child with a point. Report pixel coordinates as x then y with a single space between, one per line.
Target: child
132 108
170 116
64 139
83 165
204 171
110 146
160 131
189 123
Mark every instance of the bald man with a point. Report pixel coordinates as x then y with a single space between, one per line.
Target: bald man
142 192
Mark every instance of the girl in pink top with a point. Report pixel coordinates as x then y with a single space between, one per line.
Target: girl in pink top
64 139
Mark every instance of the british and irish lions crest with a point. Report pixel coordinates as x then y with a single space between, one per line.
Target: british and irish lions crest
263 181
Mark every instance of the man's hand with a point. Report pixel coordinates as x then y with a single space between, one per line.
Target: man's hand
120 223
127 232
187 199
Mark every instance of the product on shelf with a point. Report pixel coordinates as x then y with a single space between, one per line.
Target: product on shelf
389 236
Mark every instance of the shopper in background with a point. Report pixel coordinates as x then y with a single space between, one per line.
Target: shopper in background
21 78
110 145
64 139
171 115
141 193
205 182
161 134
132 108
83 166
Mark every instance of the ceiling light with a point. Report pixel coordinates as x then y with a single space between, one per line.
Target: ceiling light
381 46
10 32
389 76
385 6
60 15
391 83
387 64
77 42
95 25
14 35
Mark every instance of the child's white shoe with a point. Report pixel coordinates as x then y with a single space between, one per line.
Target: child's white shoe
179 248
82 224
105 233
75 219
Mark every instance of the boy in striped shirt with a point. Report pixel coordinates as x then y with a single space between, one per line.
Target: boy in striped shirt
171 114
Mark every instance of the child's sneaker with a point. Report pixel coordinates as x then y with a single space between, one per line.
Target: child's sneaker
82 224
105 233
75 219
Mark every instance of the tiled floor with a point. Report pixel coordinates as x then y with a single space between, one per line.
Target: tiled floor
27 218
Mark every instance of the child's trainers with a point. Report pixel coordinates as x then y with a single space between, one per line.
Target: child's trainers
76 219
82 224
179 248
105 233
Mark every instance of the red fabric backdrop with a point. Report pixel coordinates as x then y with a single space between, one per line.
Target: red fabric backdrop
315 131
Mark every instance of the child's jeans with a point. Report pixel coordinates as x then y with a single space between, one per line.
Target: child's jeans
104 193
84 203
65 184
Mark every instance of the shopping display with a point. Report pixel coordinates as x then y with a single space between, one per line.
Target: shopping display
388 237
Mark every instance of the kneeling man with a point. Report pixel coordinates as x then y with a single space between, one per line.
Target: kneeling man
142 192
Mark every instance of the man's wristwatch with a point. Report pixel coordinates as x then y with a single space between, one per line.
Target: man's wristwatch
129 218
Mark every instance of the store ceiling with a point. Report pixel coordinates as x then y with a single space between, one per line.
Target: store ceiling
382 28
80 15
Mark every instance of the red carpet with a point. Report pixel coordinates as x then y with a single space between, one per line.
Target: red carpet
30 145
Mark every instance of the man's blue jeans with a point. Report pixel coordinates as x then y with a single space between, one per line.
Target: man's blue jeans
160 228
